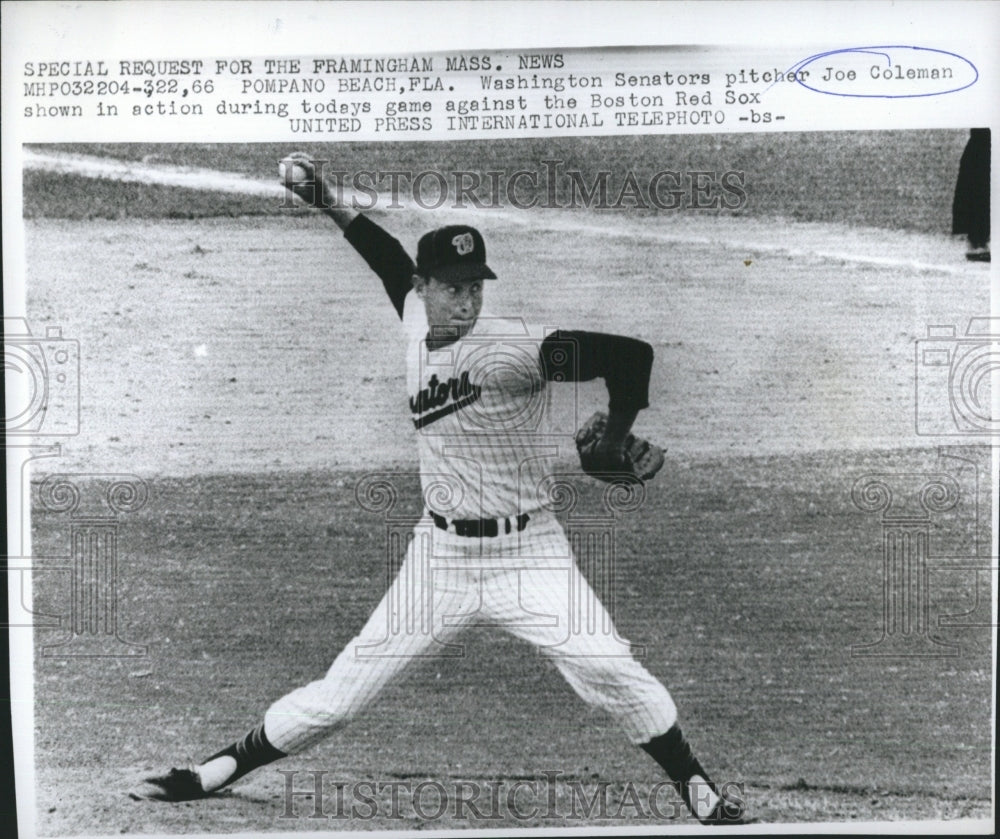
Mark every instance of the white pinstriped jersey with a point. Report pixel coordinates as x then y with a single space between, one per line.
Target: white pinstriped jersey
480 408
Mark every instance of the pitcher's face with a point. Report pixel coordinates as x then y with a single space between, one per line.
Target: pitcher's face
451 306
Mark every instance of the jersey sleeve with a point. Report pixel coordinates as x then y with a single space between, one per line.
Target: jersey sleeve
385 256
414 317
624 363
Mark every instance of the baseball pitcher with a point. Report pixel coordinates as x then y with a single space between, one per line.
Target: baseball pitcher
488 549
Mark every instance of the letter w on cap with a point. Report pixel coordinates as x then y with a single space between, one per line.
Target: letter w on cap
463 243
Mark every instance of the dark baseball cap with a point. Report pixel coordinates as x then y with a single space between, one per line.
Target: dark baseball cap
456 252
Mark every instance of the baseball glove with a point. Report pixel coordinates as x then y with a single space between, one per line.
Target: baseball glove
637 459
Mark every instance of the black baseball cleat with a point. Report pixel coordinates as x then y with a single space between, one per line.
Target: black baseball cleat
728 813
176 785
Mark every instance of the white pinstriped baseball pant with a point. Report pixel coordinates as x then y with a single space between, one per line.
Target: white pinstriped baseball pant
525 583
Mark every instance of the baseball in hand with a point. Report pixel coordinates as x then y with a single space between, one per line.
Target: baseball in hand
292 171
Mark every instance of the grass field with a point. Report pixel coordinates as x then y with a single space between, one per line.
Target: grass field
248 370
899 180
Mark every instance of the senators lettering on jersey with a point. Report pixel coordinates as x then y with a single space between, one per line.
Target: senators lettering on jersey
447 397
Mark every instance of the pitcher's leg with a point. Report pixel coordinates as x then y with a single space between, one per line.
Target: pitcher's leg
408 625
405 627
589 652
593 658
399 632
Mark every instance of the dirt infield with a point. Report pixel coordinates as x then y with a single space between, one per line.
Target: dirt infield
219 345
250 371
746 582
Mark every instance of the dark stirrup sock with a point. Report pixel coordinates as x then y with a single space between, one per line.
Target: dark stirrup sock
251 752
672 751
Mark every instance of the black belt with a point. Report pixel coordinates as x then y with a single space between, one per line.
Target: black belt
479 528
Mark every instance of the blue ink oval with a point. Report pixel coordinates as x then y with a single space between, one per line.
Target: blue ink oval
873 68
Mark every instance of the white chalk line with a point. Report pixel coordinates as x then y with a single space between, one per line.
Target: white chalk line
134 171
896 243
